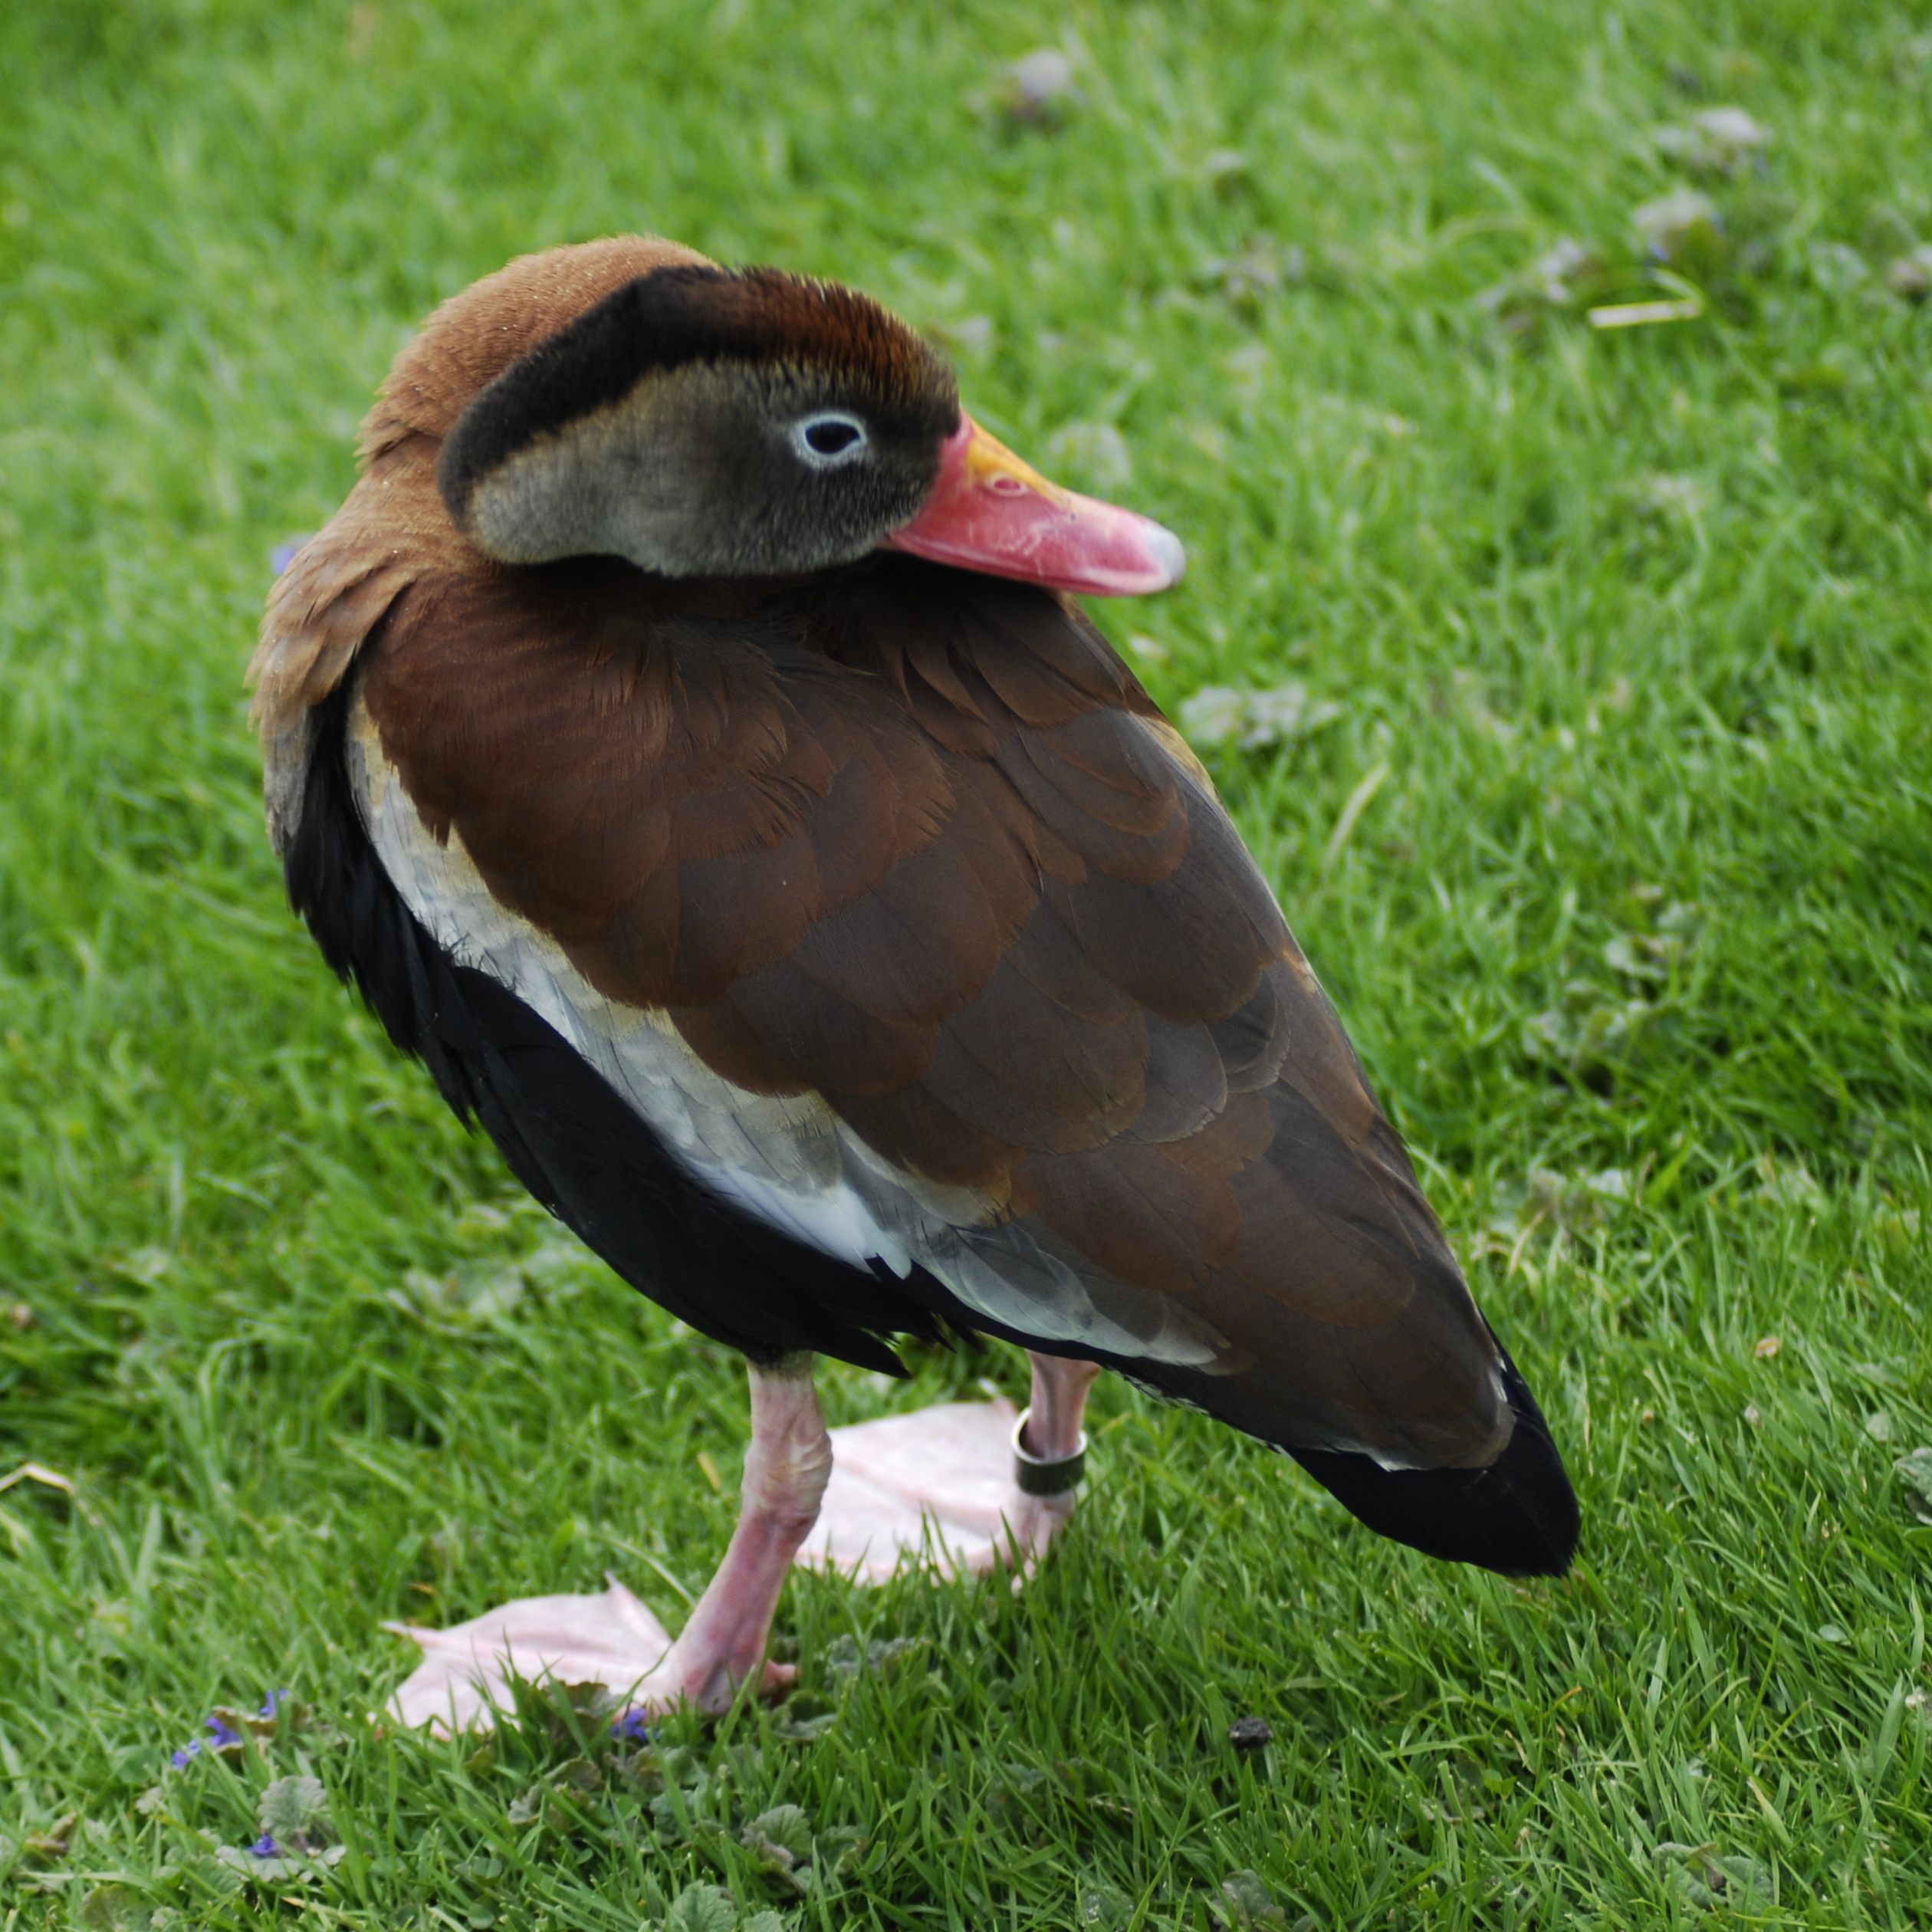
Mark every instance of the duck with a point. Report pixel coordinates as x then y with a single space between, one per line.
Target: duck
687 738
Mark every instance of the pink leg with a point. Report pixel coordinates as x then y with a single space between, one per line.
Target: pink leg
1053 1434
786 1470
614 1639
942 1478
1060 1389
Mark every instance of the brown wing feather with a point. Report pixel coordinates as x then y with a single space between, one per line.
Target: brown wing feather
917 842
909 841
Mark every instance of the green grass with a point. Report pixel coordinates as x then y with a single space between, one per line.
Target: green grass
1632 927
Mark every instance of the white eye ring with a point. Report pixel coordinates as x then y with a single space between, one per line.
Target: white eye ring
829 439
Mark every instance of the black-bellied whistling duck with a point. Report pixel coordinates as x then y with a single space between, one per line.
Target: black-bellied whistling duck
684 738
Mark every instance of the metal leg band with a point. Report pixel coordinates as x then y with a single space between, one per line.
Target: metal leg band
1035 1476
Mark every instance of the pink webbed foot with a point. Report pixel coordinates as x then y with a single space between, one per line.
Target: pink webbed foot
613 1640
465 1675
937 1484
941 1484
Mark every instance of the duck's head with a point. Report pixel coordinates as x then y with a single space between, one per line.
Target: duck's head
704 422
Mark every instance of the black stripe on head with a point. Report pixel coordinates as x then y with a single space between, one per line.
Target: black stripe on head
693 315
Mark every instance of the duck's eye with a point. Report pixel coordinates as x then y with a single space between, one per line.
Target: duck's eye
828 439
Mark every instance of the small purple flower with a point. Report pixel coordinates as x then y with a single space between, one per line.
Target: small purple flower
265 1847
284 553
631 1727
273 1699
225 1737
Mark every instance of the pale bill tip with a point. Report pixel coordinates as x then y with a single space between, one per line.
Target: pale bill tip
1166 555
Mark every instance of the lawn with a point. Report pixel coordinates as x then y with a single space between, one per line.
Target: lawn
1572 682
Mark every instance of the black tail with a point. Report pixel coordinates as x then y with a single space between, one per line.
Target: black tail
1519 1515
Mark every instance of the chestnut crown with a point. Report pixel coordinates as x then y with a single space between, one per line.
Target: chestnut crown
699 421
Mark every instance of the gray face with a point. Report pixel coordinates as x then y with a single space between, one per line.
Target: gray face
717 469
